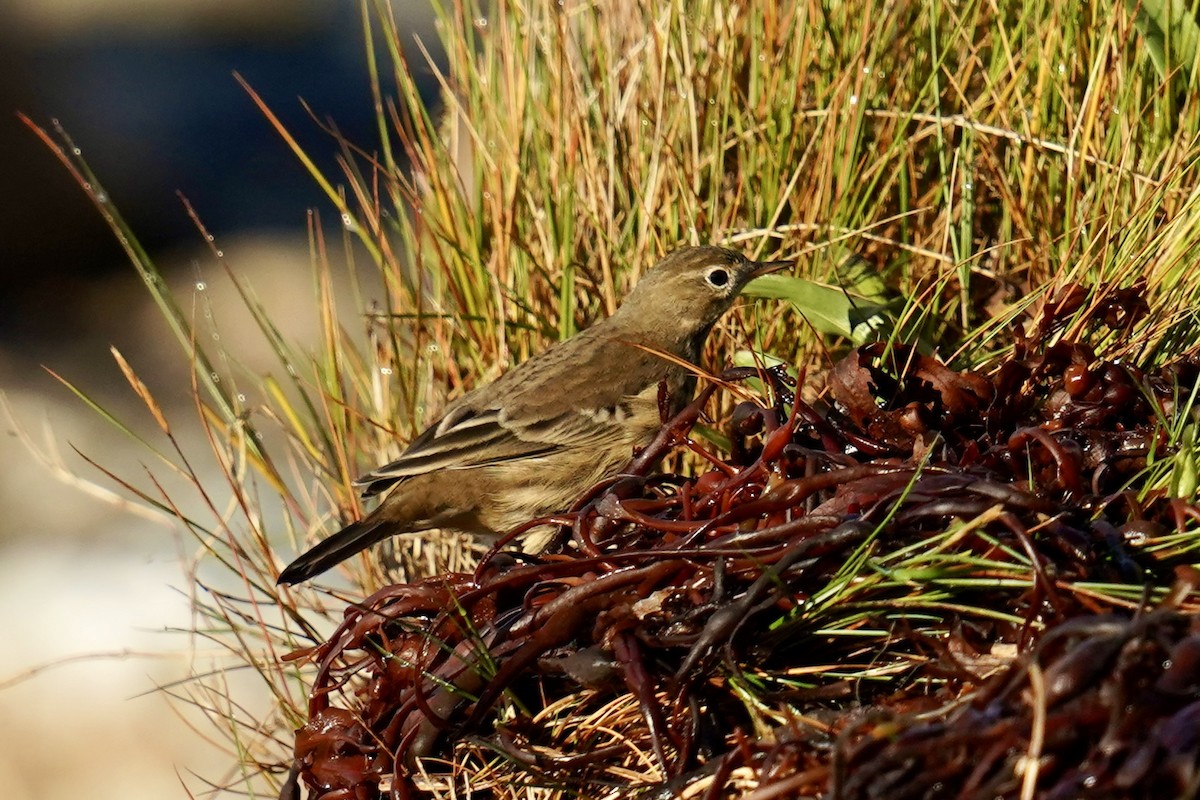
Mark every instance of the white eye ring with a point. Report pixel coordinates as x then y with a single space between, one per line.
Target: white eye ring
717 277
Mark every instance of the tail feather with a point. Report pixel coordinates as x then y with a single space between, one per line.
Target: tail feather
337 548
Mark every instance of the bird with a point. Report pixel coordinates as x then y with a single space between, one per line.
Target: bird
532 441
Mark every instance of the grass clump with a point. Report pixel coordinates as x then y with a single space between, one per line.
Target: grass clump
1022 179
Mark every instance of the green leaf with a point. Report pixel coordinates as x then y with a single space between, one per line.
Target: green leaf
1171 32
860 308
1184 477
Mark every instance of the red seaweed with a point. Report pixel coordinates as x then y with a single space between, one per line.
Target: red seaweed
683 593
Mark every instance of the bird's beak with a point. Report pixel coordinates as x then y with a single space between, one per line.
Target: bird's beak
767 267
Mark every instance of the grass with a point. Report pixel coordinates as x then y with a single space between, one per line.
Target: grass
982 157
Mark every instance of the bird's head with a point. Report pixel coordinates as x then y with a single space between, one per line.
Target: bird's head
683 295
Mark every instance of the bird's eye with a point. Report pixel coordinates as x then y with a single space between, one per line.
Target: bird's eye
717 277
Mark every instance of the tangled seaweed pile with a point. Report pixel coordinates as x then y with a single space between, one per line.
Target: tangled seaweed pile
1106 707
972 547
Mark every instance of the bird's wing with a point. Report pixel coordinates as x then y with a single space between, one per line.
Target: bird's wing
519 417
469 438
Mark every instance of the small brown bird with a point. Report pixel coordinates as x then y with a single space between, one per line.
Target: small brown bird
536 438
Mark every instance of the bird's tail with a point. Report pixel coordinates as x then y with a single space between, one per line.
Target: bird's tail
337 548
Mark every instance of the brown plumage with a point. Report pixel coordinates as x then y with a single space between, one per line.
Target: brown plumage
532 441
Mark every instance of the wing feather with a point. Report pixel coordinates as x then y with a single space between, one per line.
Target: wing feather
532 421
488 439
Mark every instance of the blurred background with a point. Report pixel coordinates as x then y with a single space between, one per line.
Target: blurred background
92 595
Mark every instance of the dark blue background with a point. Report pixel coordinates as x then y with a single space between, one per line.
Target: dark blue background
159 113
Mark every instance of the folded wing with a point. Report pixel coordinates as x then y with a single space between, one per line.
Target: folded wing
470 439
